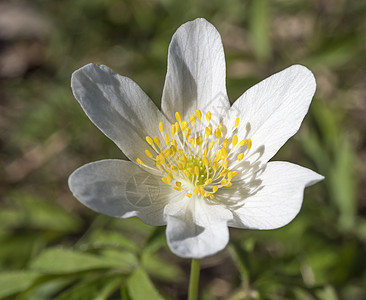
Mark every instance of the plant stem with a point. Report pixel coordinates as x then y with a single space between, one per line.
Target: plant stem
194 280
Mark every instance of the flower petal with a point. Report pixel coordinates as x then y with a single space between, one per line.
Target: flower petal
277 199
272 111
196 229
121 189
196 75
118 107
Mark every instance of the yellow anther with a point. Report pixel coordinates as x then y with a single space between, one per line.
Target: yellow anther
206 194
237 121
139 161
184 125
196 170
174 168
178 183
192 141
235 140
225 143
215 165
160 158
210 145
199 140
217 133
229 184
223 181
212 196
230 175
191 171
161 127
193 119
178 117
198 114
165 180
205 160
187 173
167 139
226 163
224 153
249 144
180 166
208 181
176 127
189 195
224 172
177 188
172 129
149 140
208 116
170 176
148 153
157 141
240 156
215 188
220 126
196 190
243 142
208 131
202 190
235 173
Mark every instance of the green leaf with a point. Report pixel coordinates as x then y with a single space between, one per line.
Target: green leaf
60 261
97 289
16 281
102 238
140 287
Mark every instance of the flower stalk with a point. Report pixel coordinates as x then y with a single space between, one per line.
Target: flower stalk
194 280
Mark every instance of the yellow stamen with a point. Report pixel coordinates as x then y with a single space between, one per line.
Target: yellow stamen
208 131
161 127
178 117
235 140
240 156
225 143
149 140
148 153
157 141
193 120
208 116
215 188
139 161
198 114
210 145
184 125
167 139
199 140
237 121
189 195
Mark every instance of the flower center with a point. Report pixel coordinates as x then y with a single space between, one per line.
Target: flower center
195 158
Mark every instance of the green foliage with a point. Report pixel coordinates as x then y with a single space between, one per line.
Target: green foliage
52 248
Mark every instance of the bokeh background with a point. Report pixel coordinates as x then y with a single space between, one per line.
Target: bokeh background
51 247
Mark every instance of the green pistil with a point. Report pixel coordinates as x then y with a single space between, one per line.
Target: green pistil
192 162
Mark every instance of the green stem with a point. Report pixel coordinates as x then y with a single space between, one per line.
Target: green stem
194 279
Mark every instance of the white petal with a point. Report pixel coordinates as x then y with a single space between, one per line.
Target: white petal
196 229
272 111
277 197
121 189
196 75
118 107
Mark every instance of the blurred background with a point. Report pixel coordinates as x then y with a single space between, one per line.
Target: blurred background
51 247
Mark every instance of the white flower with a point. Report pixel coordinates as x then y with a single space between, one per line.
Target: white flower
197 165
